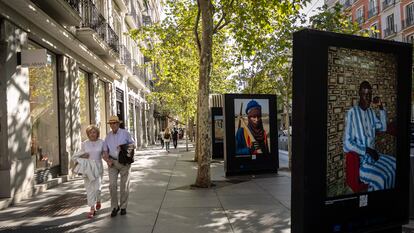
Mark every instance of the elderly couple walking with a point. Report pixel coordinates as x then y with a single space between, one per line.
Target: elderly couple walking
89 163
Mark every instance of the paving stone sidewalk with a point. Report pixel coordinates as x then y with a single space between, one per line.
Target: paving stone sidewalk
162 200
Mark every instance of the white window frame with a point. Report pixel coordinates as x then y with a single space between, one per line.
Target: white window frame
388 23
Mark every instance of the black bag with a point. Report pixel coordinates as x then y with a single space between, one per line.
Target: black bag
167 136
126 155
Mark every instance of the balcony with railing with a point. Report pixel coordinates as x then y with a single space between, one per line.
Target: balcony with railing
408 22
372 12
65 12
390 30
347 4
387 3
132 17
125 61
135 68
96 33
125 57
146 20
139 75
360 20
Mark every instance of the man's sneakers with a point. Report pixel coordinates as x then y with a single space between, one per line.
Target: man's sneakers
115 212
123 211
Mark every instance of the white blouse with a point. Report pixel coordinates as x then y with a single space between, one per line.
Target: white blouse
93 148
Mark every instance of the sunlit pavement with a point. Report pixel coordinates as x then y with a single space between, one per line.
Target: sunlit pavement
162 200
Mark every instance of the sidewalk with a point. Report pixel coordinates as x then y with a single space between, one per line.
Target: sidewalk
162 201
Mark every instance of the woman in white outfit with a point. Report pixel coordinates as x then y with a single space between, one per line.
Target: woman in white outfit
91 154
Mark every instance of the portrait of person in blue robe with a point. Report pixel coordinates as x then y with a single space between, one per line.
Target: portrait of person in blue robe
251 138
377 170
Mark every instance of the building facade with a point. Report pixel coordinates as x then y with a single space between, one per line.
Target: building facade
65 64
394 19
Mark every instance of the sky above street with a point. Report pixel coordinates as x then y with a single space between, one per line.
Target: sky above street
311 7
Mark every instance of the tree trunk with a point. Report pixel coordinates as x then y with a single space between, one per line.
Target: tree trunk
203 174
197 149
186 133
190 130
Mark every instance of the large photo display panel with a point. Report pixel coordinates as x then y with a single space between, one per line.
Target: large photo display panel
217 120
350 144
250 133
362 101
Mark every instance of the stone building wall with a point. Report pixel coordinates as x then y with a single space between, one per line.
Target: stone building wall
347 68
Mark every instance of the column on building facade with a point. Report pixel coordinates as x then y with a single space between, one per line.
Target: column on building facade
151 124
69 111
138 121
16 167
94 100
144 125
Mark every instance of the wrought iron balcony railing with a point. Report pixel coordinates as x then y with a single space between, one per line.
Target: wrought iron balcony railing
92 18
409 21
372 12
75 4
387 3
134 68
146 19
360 19
390 30
347 4
133 13
112 39
125 56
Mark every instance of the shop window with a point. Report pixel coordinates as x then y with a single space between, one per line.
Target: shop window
131 120
84 103
43 113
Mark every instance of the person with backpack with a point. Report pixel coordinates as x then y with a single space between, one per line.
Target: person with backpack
175 138
167 137
161 137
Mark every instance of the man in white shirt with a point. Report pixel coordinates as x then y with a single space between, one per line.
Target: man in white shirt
111 149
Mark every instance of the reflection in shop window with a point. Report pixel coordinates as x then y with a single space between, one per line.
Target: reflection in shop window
102 109
131 120
43 113
84 103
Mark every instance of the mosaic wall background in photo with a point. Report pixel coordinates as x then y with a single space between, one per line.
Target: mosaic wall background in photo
347 68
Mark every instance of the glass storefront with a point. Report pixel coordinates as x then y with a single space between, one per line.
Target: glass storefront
44 113
84 103
131 120
102 108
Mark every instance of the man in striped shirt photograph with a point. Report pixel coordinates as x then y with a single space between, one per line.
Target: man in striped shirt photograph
361 124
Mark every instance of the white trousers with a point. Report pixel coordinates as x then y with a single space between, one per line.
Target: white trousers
93 190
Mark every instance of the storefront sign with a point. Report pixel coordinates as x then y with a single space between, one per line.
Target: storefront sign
34 58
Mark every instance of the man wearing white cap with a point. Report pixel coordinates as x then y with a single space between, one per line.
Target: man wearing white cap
111 149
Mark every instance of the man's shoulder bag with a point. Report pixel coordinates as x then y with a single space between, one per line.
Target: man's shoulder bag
126 154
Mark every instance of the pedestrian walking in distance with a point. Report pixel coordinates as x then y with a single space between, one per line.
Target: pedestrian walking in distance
175 138
162 138
167 138
112 143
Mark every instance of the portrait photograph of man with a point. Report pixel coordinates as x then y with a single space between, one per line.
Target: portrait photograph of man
252 127
361 121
